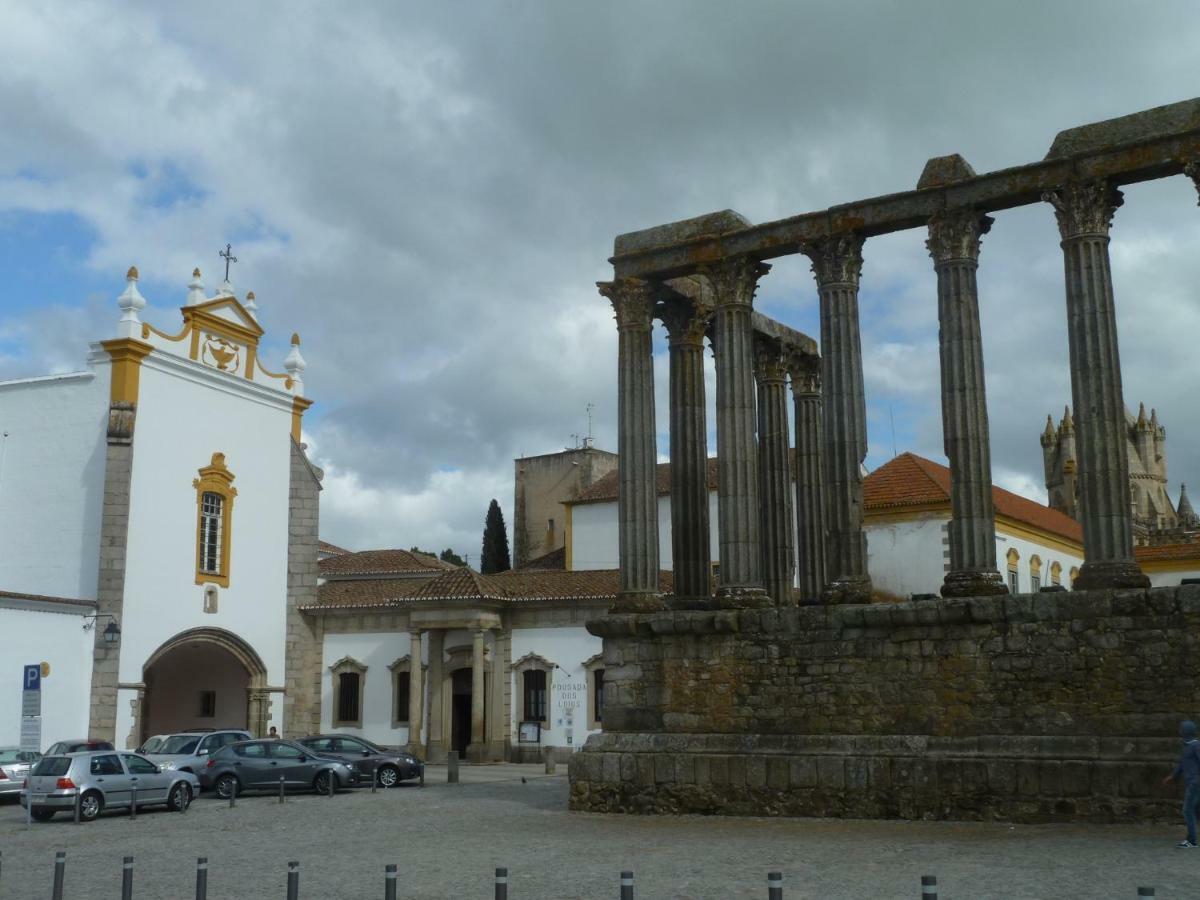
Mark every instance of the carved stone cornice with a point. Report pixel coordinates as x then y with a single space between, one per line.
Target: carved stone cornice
770 361
836 259
633 302
687 323
957 234
806 373
1192 170
735 280
1085 207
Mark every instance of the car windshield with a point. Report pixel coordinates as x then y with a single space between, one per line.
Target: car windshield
10 755
152 745
52 765
179 743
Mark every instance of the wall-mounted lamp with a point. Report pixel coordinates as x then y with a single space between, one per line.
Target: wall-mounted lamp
112 631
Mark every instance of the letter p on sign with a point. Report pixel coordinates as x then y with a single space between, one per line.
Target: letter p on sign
32 680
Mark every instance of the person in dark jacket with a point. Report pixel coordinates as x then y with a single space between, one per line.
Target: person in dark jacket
1188 768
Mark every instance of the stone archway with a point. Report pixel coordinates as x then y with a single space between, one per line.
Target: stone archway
203 678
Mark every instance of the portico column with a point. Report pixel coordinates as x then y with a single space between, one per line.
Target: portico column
810 501
837 264
416 693
1084 211
690 549
775 477
954 240
738 516
436 751
637 499
477 749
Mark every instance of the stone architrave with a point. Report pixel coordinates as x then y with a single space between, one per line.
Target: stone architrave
837 265
810 500
954 241
738 515
1084 211
691 561
633 301
774 466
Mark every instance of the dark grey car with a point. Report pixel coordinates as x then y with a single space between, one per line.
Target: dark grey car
258 765
391 766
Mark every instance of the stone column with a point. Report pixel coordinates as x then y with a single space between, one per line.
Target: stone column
810 501
637 503
690 550
954 240
738 515
1084 211
477 750
435 736
416 694
775 476
837 264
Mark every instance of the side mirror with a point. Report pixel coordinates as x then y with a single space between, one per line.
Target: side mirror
366 752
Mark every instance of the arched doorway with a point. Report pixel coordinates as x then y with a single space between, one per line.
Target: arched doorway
203 678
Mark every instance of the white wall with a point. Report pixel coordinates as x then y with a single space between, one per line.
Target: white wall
1171 579
906 557
52 452
376 652
568 648
29 636
1026 548
594 540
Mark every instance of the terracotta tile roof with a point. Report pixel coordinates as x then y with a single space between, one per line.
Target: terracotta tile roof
333 549
1169 553
605 489
42 598
366 592
382 562
555 560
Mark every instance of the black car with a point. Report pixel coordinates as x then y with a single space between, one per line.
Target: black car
259 765
391 766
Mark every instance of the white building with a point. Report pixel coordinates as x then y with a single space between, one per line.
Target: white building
161 497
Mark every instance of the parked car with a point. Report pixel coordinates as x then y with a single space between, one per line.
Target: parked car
151 744
391 766
15 764
103 780
190 750
257 765
76 746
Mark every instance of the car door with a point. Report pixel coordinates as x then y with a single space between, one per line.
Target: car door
356 752
151 784
252 766
109 776
292 763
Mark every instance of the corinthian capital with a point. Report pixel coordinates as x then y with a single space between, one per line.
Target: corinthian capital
735 280
1084 208
836 259
632 300
1192 170
770 362
686 322
805 370
957 234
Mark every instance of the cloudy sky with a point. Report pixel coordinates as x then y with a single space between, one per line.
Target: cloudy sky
427 192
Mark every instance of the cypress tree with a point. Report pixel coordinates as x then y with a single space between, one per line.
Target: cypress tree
495 543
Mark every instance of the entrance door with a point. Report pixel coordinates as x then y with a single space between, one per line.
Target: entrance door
195 684
460 711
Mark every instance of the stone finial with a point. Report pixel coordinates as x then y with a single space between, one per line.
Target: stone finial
131 302
943 170
250 306
1187 515
1048 434
195 294
295 365
1068 424
225 289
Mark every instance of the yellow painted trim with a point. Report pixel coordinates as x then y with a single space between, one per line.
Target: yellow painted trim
567 537
204 312
1035 565
1012 528
282 376
148 329
1170 565
299 406
215 478
127 355
194 348
251 357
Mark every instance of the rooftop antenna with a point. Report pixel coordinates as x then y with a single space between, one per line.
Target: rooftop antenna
587 444
574 442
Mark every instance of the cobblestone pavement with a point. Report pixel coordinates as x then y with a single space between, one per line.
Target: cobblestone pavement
447 841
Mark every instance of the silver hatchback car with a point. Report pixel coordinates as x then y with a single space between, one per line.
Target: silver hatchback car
103 779
15 764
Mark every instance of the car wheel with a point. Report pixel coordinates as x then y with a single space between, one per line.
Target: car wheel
43 815
321 782
180 799
226 786
389 776
90 805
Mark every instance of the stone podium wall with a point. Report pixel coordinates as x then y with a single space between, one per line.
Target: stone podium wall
1028 708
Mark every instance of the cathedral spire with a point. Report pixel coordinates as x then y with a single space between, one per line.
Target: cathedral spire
1187 515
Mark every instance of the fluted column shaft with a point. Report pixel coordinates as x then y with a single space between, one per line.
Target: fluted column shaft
837 264
954 240
690 542
810 502
416 693
637 502
476 750
775 477
436 746
1084 212
738 522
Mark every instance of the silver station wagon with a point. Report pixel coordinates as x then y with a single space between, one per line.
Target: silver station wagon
103 779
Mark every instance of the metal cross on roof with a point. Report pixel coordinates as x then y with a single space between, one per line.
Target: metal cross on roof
227 255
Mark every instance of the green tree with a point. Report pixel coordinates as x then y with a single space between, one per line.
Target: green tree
451 557
495 543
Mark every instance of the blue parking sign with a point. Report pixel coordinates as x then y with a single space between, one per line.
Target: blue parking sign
31 680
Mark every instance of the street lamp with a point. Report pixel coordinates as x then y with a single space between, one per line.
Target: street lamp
112 631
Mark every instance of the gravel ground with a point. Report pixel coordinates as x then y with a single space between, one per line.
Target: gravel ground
447 841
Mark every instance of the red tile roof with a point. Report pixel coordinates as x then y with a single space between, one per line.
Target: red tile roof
334 549
382 562
1169 553
555 560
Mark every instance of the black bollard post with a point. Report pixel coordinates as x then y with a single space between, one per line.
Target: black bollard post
501 884
928 887
233 786
281 789
1145 893
293 881
774 886
389 882
452 767
127 878
332 782
626 886
60 872
422 774
202 878
133 803
374 778
78 800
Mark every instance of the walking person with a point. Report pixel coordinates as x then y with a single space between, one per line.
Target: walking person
1188 768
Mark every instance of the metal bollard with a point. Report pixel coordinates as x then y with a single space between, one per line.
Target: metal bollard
550 761
60 871
133 803
233 794
293 881
501 884
78 801
374 778
422 774
1145 893
281 789
202 878
626 886
452 767
389 882
928 887
127 878
332 782
28 809
774 886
